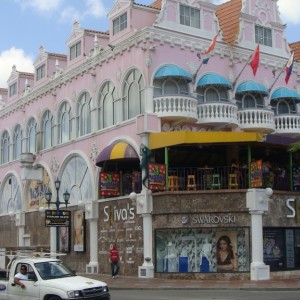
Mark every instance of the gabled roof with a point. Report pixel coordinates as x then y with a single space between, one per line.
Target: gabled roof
296 48
229 14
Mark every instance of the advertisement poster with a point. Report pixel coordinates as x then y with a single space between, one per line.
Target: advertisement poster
79 231
273 246
109 184
157 177
226 251
256 174
64 239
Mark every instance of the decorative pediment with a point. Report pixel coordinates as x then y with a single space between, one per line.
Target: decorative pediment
120 5
13 75
76 34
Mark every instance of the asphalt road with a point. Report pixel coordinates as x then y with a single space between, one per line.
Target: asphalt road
203 295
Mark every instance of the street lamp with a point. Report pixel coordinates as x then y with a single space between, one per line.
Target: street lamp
66 195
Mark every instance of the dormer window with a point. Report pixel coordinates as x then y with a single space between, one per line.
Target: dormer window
12 89
189 16
40 72
120 24
75 50
263 35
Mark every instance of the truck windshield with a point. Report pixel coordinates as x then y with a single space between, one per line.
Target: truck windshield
53 269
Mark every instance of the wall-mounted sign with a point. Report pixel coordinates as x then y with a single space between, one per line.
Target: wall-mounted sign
57 218
109 184
157 177
256 174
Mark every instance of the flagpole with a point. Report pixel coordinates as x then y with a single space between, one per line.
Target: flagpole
242 71
195 74
277 77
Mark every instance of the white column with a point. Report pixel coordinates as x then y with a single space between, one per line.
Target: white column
147 236
93 244
257 238
52 239
21 232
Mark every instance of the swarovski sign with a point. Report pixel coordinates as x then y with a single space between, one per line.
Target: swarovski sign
209 219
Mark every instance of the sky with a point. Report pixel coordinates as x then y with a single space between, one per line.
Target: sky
25 25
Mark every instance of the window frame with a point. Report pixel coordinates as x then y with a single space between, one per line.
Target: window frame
65 110
17 140
31 135
263 35
40 72
120 23
75 50
84 115
189 16
47 141
5 147
13 89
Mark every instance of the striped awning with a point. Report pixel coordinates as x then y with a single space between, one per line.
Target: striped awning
250 86
285 93
116 151
214 79
172 71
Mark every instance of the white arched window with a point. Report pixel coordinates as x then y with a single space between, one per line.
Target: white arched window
47 132
17 142
31 136
106 105
133 98
84 114
5 147
64 120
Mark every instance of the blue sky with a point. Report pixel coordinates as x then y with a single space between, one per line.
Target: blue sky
25 25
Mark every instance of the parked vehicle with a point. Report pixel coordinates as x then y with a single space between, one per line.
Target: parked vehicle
49 279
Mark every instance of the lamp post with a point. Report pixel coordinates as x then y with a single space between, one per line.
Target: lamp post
48 196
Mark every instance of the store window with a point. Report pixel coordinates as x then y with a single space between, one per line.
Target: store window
281 248
202 250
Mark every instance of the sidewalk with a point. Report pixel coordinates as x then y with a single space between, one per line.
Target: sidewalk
127 282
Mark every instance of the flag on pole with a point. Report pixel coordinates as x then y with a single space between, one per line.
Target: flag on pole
255 60
289 68
212 45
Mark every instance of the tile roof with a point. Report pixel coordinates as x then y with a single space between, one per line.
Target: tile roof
2 90
296 48
156 4
228 14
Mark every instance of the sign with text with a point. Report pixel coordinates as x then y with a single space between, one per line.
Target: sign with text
109 184
157 177
57 218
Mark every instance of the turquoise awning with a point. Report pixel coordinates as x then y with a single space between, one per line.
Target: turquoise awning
172 71
251 87
285 93
214 79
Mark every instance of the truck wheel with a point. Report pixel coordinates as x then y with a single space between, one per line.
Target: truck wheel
54 298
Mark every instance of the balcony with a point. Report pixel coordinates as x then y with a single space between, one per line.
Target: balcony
256 119
218 114
288 125
176 107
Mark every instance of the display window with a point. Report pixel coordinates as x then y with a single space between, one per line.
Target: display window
202 250
281 248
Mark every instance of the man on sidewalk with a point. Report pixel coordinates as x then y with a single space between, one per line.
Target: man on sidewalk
114 261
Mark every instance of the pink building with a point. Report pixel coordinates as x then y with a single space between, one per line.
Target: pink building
154 101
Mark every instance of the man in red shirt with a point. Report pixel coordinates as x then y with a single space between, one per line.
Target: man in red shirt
114 261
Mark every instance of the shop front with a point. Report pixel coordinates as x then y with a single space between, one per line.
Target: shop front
208 235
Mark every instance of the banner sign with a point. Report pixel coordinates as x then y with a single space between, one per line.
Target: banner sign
57 218
109 184
256 174
157 177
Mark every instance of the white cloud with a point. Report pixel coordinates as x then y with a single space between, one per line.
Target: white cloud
95 8
69 14
40 5
289 11
17 57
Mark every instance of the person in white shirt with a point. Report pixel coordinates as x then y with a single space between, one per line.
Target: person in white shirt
22 275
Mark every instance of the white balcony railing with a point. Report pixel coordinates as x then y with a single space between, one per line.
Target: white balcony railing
218 114
176 107
288 125
257 119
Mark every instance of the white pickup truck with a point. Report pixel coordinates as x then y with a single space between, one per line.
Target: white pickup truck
50 279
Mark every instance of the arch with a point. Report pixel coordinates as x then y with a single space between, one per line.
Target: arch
64 122
47 129
5 147
83 111
17 141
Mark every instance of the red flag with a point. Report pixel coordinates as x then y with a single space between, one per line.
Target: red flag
212 45
255 60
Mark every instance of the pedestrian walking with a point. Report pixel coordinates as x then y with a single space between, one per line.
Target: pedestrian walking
114 261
